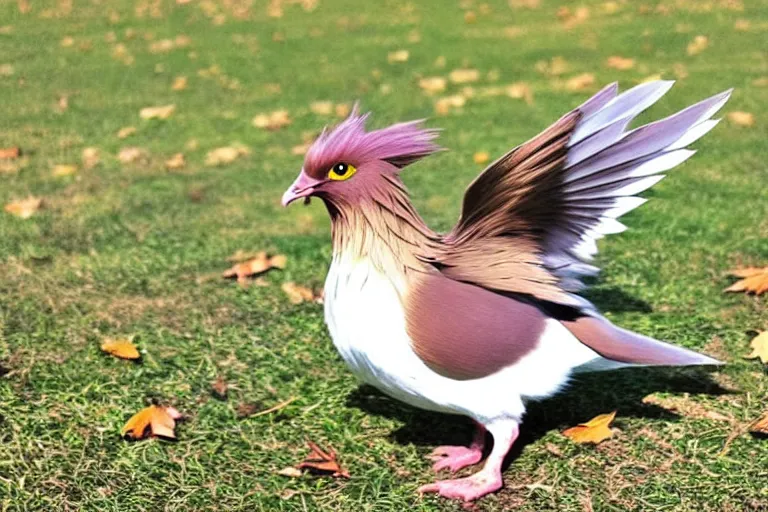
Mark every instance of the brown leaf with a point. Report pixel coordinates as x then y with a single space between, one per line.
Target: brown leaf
741 118
320 461
698 45
398 56
273 120
120 347
520 90
225 155
296 293
24 208
155 420
10 153
177 161
753 280
126 132
254 266
464 76
432 84
620 63
759 347
593 431
557 66
179 83
760 426
445 104
131 154
219 388
580 82
247 409
63 170
162 112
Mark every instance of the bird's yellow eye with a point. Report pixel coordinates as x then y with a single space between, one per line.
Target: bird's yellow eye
341 171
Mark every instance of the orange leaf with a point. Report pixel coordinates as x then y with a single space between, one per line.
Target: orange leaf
620 63
741 118
177 161
320 461
753 280
593 431
155 420
122 348
10 153
258 264
760 426
296 293
759 347
219 388
24 208
481 157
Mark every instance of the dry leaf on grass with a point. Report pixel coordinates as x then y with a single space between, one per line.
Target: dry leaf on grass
254 266
179 83
225 155
464 76
126 132
760 426
298 294
620 63
698 45
481 157
321 108
759 347
24 208
432 84
131 154
162 112
741 118
273 120
177 161
251 409
444 105
398 56
120 347
90 157
63 170
10 153
154 420
290 472
557 66
580 82
593 431
520 90
322 462
219 388
752 280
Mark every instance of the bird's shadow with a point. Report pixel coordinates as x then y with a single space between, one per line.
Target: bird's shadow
586 396
613 298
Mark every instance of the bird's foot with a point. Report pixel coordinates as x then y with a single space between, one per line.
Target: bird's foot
467 489
455 458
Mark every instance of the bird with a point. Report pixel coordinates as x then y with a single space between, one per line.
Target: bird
485 318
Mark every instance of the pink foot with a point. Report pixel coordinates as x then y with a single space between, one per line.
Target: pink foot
455 457
467 489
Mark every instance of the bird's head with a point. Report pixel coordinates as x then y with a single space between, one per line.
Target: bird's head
345 165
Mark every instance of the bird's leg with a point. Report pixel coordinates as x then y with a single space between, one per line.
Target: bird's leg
456 457
486 480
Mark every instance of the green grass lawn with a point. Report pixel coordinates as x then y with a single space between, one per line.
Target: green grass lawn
135 250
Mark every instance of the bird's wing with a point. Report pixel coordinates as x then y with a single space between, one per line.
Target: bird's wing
530 221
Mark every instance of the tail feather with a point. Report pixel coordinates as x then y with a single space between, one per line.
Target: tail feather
628 348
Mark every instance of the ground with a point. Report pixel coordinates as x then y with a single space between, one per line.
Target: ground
135 249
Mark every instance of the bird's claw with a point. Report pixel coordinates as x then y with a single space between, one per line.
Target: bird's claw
466 489
454 458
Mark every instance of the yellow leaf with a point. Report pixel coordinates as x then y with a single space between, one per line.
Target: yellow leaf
272 121
255 265
126 132
432 84
698 45
24 208
64 170
463 76
620 63
122 348
759 347
155 420
520 90
580 82
741 118
296 293
321 108
163 112
398 56
225 155
177 161
444 105
179 83
481 157
593 431
343 109
90 157
753 280
131 154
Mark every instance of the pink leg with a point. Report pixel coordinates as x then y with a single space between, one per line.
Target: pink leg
486 480
456 457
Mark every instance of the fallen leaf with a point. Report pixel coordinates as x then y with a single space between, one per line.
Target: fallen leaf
698 45
24 208
760 426
219 388
320 461
580 82
6 69
593 431
343 109
296 293
290 472
444 105
759 347
179 83
520 90
398 56
163 112
63 170
177 161
752 280
131 154
572 18
225 155
464 76
620 63
10 153
90 157
126 132
470 17
481 157
120 347
432 84
254 266
246 409
741 118
321 108
741 25
557 66
155 420
272 121
300 149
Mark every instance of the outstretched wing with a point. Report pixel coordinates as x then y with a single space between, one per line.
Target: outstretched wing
530 221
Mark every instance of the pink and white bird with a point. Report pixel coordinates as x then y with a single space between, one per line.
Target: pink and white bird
481 320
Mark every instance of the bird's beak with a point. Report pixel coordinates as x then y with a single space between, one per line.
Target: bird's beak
304 186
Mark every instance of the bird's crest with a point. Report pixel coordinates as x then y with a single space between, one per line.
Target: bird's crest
400 144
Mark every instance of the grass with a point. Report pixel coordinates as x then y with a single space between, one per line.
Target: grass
128 249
